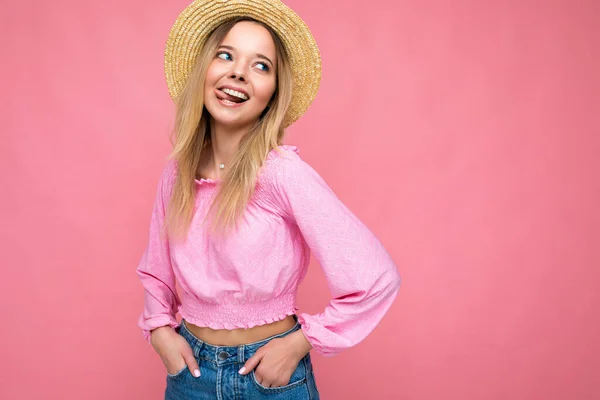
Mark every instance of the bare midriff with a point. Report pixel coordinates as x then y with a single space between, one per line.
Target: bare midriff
236 337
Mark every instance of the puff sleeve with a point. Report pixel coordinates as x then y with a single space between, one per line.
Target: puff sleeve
155 271
361 275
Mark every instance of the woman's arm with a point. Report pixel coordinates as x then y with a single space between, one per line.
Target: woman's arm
155 271
361 275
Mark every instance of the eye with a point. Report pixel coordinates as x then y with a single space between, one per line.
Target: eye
223 55
265 66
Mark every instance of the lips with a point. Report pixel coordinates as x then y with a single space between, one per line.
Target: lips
232 94
237 89
224 96
228 100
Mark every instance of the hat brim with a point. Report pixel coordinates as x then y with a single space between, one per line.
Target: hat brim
200 18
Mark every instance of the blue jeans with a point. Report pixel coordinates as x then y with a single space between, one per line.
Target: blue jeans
220 379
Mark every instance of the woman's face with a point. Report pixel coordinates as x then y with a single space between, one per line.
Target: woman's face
241 78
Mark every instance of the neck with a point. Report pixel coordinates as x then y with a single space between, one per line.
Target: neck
224 140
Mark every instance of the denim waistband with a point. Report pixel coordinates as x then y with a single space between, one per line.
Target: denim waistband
222 355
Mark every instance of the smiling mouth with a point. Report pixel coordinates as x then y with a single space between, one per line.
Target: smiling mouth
229 96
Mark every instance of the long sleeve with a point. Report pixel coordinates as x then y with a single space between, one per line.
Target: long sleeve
155 271
361 275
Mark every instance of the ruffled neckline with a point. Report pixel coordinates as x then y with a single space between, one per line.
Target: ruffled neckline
270 155
207 181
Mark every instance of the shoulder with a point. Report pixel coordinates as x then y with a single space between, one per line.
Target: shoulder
283 152
168 176
169 172
276 170
277 162
170 167
286 171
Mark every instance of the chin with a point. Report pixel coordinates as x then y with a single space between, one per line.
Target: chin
226 119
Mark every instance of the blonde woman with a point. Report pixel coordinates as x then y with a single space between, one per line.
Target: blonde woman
237 214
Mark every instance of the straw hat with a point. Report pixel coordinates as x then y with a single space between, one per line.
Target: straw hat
198 20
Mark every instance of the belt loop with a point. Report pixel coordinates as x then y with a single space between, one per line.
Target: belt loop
197 349
241 353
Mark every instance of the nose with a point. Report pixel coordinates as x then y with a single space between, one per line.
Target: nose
235 74
237 71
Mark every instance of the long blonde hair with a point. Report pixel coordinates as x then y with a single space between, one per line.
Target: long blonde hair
191 138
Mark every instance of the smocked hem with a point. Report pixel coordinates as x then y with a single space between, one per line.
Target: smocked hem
237 314
242 324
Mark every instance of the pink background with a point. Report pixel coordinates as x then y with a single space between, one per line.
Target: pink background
465 134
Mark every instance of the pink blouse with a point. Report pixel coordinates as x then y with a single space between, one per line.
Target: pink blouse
251 277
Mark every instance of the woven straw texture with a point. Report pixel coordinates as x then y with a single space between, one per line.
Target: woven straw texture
196 21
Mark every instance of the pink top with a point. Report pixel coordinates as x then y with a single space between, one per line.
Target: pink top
252 277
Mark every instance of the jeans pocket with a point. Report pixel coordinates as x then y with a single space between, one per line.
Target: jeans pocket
298 378
178 374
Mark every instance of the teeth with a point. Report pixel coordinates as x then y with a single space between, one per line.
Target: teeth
235 93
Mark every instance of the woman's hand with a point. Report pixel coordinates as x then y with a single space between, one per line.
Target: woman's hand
174 350
276 361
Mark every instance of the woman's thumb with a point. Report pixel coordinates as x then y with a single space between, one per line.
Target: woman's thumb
190 360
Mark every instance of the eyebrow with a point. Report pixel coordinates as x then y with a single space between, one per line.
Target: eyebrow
257 54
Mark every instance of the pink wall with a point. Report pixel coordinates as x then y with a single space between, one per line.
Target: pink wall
464 133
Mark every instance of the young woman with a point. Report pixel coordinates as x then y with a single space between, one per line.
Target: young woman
237 214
